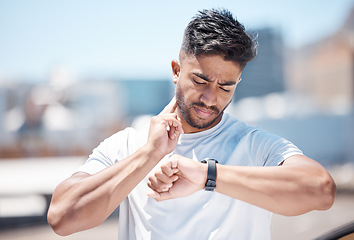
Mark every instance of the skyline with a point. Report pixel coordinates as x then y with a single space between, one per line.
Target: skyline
136 39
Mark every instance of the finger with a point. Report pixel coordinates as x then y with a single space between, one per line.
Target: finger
153 194
172 133
168 170
173 125
165 178
178 125
174 161
160 196
153 182
158 186
154 188
170 108
177 128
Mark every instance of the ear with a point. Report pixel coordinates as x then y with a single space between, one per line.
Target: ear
176 68
239 80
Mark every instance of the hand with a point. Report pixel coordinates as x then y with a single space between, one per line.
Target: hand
165 130
178 177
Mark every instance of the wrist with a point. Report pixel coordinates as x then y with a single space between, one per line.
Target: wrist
204 174
152 153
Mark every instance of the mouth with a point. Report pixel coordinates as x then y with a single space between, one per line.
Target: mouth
203 112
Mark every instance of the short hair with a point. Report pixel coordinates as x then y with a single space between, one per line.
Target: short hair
217 32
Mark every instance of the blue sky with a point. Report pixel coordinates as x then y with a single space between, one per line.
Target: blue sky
135 39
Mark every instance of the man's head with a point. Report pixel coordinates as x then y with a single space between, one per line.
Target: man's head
214 52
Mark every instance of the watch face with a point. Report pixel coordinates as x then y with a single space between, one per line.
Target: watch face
208 159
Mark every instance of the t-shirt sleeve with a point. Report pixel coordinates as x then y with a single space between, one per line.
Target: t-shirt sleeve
110 151
269 149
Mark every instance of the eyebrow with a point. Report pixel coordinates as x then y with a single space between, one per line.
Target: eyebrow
202 76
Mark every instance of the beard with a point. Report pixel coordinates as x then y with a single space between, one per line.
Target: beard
186 108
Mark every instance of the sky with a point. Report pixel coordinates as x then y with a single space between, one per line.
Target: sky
136 39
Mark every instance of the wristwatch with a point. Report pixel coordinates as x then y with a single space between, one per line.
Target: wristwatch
211 178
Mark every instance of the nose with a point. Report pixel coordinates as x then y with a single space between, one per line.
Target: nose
209 96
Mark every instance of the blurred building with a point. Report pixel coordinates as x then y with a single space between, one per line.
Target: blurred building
316 111
325 69
265 74
43 119
144 97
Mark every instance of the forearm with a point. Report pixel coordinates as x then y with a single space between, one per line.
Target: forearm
291 189
87 202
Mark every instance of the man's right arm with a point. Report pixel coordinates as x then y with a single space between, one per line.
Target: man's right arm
84 201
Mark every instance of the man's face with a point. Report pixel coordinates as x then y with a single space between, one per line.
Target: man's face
205 86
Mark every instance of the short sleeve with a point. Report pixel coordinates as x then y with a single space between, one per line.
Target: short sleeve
268 149
110 151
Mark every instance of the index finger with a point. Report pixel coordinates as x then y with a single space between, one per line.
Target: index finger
168 170
170 108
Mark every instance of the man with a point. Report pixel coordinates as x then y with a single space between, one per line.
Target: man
173 160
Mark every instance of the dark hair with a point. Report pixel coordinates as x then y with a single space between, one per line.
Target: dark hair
216 32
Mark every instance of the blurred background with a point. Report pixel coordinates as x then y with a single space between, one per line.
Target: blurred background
72 73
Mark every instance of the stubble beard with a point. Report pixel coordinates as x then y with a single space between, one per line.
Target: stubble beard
186 109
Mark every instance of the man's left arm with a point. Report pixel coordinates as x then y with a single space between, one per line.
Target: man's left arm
299 185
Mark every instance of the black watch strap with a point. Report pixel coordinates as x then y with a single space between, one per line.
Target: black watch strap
211 178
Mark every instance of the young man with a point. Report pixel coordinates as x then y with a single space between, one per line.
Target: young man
213 176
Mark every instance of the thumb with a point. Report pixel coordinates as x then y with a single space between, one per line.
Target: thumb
152 194
159 196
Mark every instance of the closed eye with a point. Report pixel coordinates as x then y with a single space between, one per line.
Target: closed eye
199 83
225 90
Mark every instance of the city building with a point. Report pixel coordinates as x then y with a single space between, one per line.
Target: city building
265 74
325 70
